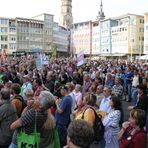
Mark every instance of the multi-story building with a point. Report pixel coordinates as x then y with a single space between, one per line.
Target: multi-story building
7 34
146 33
30 35
123 35
35 33
85 36
61 38
119 36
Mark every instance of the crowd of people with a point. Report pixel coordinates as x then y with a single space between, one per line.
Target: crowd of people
65 98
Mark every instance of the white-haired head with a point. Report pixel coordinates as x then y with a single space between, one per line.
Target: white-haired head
46 99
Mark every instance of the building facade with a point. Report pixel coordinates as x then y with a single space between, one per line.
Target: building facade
36 34
146 33
119 36
60 38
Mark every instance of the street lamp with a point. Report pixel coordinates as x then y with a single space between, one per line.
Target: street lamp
132 40
140 52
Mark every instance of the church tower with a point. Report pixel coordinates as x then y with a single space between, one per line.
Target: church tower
66 18
101 15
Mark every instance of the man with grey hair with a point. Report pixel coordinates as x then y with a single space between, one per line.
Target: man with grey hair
37 113
46 99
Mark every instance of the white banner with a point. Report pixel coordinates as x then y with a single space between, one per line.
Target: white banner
80 58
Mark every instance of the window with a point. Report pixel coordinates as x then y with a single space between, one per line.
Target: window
4 46
4 38
4 21
141 21
12 37
3 29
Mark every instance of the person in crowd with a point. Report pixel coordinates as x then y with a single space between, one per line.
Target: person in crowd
99 94
105 102
78 96
117 89
38 112
26 85
86 112
109 80
48 129
80 134
17 99
128 82
76 77
37 85
93 87
49 82
15 78
29 94
111 123
142 99
86 83
63 113
135 83
63 78
132 134
8 114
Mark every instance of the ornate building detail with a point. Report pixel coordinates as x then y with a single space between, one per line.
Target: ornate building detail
66 18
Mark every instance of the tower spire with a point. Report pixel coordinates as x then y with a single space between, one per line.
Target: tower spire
101 15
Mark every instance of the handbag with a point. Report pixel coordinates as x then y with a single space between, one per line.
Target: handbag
31 140
56 139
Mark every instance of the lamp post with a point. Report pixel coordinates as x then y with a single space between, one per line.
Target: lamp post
132 40
140 50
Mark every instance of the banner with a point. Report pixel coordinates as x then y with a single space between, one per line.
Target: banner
54 53
80 58
38 61
3 55
44 59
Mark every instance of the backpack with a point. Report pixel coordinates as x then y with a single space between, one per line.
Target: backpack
20 98
98 126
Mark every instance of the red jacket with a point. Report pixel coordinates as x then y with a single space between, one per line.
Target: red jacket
138 140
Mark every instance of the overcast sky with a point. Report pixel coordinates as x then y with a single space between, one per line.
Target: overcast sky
83 10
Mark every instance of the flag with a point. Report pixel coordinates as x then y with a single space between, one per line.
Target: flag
3 55
54 53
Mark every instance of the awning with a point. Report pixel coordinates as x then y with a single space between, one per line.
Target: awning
113 54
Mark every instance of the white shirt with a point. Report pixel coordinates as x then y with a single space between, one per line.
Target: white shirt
105 105
78 98
135 81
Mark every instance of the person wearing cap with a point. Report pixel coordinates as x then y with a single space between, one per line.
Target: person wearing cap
63 114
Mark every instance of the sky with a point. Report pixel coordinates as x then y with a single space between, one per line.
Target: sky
83 10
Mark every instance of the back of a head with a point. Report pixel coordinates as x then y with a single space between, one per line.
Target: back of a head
46 99
81 133
16 88
5 94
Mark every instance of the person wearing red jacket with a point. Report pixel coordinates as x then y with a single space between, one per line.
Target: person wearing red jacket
132 134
